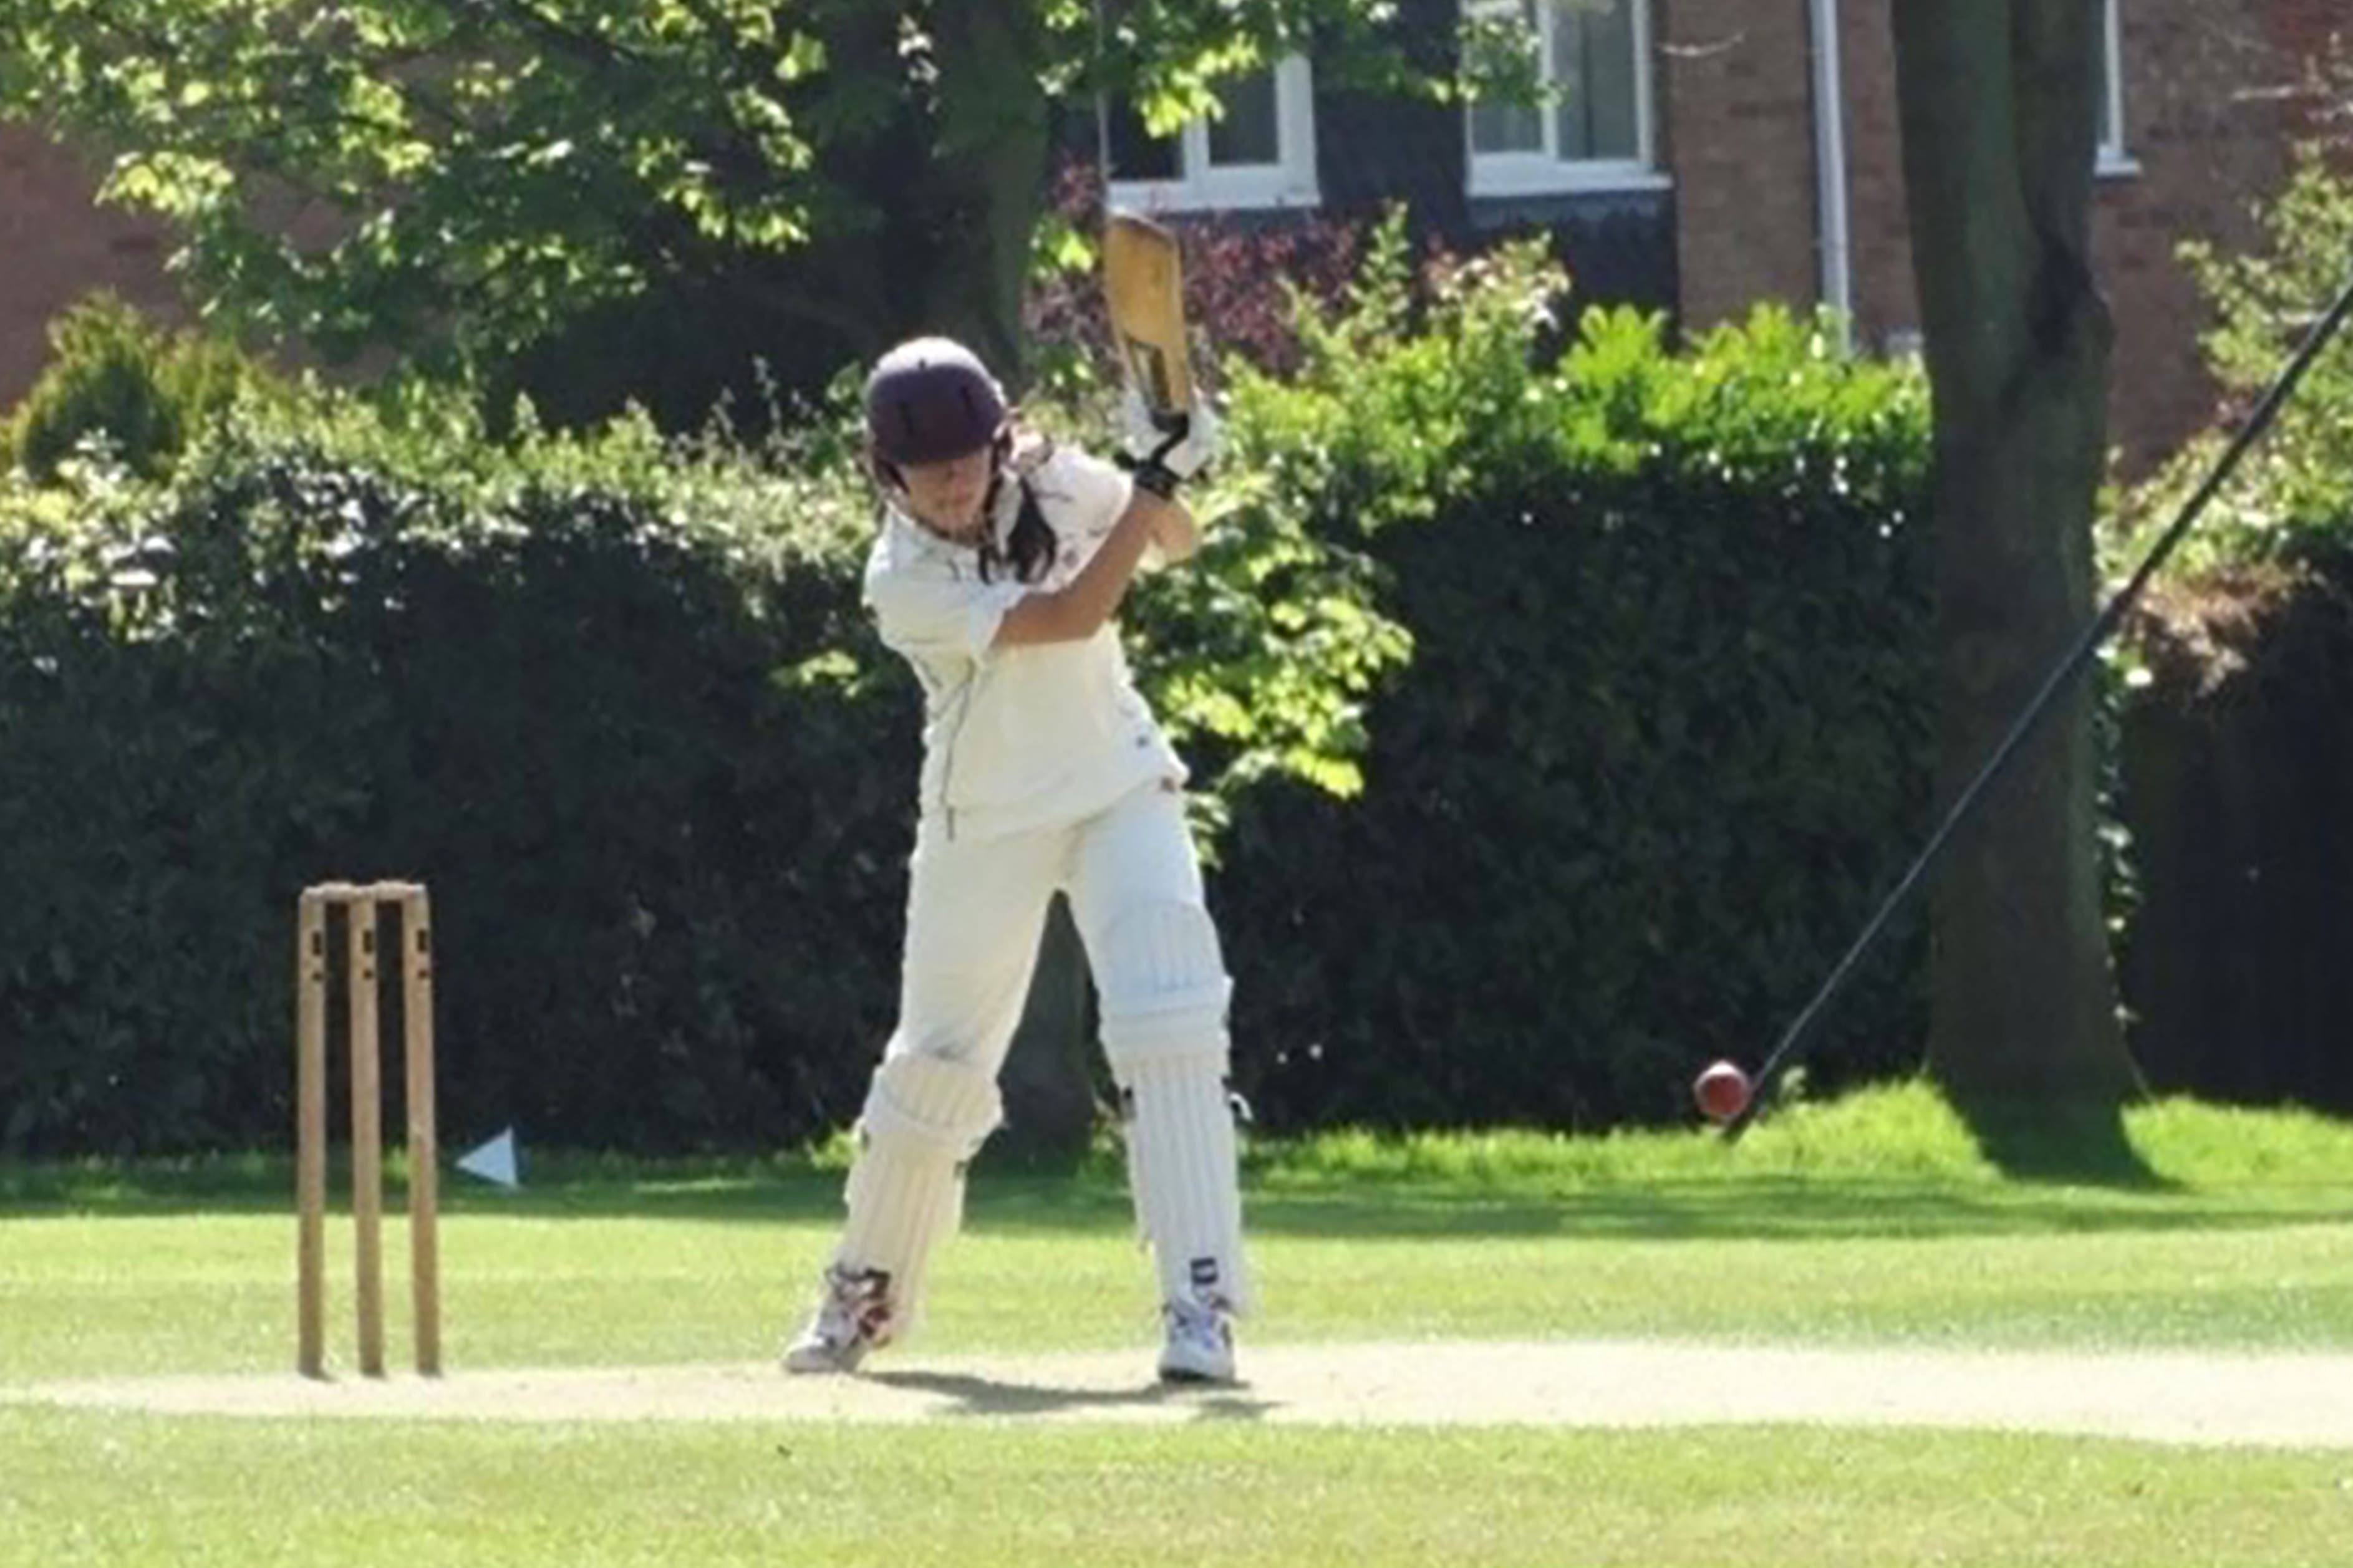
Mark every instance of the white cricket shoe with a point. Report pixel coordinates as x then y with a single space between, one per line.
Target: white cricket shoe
1200 1343
853 1316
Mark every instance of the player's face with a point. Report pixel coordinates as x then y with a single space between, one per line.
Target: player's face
947 495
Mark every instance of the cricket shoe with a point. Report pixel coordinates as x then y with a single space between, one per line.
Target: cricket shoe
1200 1343
853 1316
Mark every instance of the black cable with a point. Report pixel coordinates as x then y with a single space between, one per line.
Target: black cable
2064 672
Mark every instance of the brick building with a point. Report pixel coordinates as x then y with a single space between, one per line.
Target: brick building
56 246
1709 153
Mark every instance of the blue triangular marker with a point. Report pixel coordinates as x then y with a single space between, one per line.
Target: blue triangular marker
495 1161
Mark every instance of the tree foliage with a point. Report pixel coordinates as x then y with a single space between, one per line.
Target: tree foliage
2292 500
469 178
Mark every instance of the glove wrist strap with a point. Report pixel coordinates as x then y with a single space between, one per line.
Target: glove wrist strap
1158 479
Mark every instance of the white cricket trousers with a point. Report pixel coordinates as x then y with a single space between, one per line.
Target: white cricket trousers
976 912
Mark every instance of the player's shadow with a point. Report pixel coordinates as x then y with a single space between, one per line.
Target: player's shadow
976 1396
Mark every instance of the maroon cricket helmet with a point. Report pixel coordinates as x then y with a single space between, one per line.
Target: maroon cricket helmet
930 399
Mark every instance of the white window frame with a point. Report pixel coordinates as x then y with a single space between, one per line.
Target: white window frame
2116 154
1546 173
1289 182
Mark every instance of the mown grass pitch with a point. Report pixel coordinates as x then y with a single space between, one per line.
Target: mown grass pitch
1872 1221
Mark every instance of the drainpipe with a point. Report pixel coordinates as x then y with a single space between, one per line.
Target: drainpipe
1833 243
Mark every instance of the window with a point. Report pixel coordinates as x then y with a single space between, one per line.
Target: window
2113 158
1592 127
1261 152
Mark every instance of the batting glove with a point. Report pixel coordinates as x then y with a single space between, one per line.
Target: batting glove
1163 456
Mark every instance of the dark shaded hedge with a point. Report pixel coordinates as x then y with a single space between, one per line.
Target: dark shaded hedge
2237 762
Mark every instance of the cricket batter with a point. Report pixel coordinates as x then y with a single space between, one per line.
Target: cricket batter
1001 563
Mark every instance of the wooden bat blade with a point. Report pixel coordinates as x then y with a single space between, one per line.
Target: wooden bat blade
1144 290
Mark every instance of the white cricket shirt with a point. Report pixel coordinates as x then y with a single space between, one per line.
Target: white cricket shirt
1015 738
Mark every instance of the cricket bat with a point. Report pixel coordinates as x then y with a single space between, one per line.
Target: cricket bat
1144 290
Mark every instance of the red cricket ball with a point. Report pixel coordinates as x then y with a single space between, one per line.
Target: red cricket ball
1721 1092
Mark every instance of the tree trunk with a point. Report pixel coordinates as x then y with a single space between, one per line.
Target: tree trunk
989 180
1049 1082
994 142
1998 110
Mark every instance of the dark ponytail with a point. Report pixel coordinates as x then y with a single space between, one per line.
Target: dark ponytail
1030 547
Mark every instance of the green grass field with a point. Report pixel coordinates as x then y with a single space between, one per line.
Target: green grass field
1872 1221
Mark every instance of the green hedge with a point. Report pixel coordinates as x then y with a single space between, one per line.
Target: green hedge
612 698
1661 739
117 380
1665 739
663 860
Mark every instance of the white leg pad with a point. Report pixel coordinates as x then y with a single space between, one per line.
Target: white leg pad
925 1117
1165 989
1181 1167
